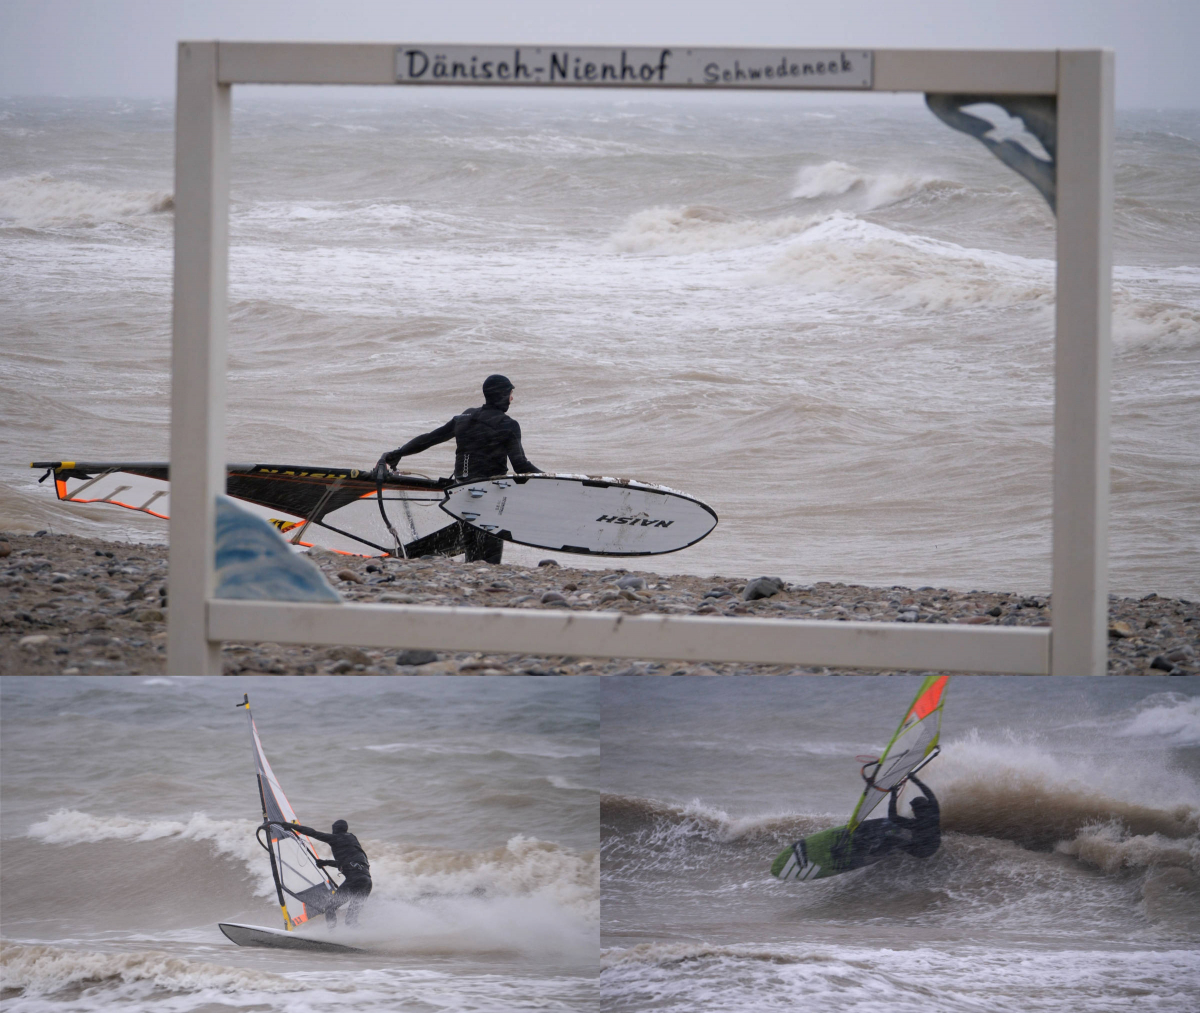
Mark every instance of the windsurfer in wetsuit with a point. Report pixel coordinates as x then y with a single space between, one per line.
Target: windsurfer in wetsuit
486 440
350 860
920 835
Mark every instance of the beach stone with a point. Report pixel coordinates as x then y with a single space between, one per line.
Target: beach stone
342 667
416 656
995 610
762 587
718 592
149 616
397 599
1120 630
553 596
5 550
33 640
547 562
349 576
354 655
631 583
1162 664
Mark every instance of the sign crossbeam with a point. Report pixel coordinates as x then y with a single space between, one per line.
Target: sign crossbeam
1081 81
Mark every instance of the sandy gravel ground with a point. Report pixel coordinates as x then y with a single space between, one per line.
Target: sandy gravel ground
76 605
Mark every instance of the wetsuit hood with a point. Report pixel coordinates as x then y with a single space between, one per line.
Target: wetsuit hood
340 827
496 391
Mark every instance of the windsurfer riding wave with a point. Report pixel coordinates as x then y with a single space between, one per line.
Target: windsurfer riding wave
919 835
349 859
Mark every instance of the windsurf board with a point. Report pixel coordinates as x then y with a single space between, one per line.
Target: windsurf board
592 515
260 935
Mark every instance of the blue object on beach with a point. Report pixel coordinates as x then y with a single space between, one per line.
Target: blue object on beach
252 561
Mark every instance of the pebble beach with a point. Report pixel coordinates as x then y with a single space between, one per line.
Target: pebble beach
73 605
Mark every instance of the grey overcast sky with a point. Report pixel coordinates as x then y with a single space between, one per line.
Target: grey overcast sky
127 47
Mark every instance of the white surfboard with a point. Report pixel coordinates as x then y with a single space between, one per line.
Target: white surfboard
260 935
582 513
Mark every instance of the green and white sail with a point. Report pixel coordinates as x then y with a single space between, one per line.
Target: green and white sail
915 739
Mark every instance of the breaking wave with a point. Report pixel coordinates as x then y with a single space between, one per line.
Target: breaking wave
1171 719
837 179
40 201
699 228
523 867
1004 792
842 255
42 969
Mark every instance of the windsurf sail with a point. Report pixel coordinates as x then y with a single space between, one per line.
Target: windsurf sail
333 508
302 886
915 742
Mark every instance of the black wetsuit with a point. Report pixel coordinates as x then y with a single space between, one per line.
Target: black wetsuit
486 440
351 861
919 835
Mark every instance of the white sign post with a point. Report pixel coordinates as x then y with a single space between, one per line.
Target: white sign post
1081 81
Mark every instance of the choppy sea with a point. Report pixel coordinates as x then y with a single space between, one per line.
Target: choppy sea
130 808
1068 876
832 323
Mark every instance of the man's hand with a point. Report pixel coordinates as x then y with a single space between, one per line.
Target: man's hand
385 464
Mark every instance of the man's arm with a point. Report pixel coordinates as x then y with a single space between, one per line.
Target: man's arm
296 828
516 453
925 791
893 816
419 443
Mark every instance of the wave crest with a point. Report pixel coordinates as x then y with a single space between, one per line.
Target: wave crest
837 179
39 201
41 969
700 228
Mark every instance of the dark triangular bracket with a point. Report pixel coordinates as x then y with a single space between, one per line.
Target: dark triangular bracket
1035 116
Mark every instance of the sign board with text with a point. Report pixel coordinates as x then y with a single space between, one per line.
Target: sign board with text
583 67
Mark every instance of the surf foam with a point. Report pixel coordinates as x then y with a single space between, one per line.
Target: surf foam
871 190
39 201
41 969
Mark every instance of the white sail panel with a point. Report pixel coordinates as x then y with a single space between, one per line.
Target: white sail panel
303 888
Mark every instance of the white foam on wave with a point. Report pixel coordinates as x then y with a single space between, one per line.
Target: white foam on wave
523 867
482 747
870 190
230 838
699 229
947 978
1111 848
848 256
565 784
42 969
1170 719
39 201
854 261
